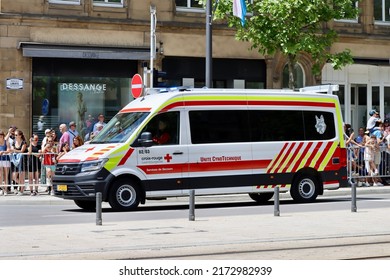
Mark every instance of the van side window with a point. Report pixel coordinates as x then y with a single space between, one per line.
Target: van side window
271 125
219 126
319 125
297 125
165 128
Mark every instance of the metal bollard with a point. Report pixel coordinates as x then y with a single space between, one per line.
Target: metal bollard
276 202
353 198
99 209
192 206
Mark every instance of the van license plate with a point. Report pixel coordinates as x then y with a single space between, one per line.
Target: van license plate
62 188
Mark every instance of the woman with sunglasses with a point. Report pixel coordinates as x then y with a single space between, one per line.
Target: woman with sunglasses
19 146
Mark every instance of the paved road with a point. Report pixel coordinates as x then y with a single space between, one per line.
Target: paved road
263 236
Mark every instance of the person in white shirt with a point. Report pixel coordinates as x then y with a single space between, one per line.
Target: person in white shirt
372 120
100 121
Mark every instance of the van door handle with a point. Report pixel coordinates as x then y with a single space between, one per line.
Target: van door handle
177 153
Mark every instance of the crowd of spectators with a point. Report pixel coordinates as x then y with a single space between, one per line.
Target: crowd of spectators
31 162
369 152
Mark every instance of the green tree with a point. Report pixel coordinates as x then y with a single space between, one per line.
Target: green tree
292 27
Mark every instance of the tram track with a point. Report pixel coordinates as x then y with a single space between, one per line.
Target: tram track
341 248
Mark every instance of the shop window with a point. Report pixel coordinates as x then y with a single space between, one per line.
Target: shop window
66 90
299 76
382 11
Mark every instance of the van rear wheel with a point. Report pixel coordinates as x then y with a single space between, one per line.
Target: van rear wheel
261 197
124 195
305 188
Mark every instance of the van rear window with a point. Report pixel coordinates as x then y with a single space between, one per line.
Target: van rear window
226 126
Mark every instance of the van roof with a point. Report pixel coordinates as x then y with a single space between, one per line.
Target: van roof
161 98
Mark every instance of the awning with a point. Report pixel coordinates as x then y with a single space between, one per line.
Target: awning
83 52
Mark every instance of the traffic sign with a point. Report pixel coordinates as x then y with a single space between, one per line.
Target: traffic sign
137 86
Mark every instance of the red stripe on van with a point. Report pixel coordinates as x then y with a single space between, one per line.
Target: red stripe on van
277 158
69 160
323 155
313 153
135 110
293 157
330 166
163 168
126 156
203 167
248 103
305 151
228 165
290 103
285 156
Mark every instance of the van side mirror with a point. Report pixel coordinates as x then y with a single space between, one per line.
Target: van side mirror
145 140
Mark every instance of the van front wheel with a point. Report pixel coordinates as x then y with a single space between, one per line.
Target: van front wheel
261 197
305 188
124 195
86 204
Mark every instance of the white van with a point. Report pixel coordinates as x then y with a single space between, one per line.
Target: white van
215 141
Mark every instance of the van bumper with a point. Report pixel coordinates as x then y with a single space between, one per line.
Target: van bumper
82 186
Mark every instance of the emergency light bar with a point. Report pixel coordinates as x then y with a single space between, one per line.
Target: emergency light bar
322 88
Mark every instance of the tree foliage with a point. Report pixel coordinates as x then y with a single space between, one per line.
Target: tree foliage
292 27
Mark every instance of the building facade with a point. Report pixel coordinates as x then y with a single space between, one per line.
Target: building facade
69 60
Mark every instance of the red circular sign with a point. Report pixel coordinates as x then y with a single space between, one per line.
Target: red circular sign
136 86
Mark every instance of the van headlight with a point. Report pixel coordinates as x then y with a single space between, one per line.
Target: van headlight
95 165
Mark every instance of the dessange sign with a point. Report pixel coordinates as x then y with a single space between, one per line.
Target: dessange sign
84 87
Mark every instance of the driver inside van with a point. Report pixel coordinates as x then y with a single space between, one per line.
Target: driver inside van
162 136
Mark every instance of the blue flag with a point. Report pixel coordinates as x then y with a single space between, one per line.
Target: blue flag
239 10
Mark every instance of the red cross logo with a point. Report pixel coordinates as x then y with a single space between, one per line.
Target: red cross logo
168 157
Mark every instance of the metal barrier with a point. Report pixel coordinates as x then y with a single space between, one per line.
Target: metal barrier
26 171
368 167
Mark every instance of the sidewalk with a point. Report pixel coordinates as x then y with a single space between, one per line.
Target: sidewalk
261 236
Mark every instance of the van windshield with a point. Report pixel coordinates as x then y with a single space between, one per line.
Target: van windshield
119 128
